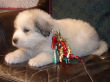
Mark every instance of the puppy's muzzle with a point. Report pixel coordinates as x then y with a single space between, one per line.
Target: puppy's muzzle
15 40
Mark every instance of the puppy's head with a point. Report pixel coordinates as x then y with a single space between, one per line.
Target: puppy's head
31 27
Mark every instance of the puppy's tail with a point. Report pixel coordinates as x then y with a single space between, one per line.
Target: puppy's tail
103 47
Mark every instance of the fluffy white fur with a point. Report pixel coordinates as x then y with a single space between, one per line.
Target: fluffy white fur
36 47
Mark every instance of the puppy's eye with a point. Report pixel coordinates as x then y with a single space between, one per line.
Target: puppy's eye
26 30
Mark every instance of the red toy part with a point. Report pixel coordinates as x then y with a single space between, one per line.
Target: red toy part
54 40
76 57
71 56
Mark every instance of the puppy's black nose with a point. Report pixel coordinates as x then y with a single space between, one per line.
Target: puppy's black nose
15 40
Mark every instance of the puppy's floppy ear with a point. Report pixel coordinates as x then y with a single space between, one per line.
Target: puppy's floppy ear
44 26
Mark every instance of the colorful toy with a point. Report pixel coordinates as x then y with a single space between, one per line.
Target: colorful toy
62 52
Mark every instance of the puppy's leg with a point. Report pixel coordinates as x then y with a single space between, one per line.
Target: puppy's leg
17 56
41 59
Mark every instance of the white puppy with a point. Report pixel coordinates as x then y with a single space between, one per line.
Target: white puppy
33 32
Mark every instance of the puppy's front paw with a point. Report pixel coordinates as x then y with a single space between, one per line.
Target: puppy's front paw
11 58
40 60
15 57
35 63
